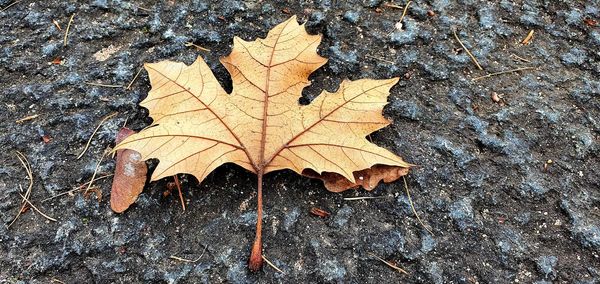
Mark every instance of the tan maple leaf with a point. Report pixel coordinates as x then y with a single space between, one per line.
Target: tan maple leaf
260 125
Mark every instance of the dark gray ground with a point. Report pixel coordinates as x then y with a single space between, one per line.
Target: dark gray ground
496 215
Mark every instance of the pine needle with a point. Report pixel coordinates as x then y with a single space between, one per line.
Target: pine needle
272 265
188 44
184 259
103 85
10 5
78 188
405 10
180 194
87 145
27 167
95 172
412 206
502 72
36 209
134 77
363 198
467 50
68 28
23 159
27 118
389 264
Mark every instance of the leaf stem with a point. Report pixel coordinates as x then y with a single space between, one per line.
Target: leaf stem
256 260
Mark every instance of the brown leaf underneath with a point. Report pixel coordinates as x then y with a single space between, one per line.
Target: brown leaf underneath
130 175
368 178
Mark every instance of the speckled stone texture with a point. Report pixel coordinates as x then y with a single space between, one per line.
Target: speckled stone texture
498 211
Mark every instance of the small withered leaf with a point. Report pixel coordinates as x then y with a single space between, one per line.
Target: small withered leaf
130 175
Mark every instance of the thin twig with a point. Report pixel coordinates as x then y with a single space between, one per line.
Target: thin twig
10 5
29 172
87 145
380 59
413 206
184 259
502 72
467 50
188 260
144 9
520 58
67 30
272 265
180 194
134 77
36 209
389 264
95 172
78 188
363 198
392 5
104 85
27 118
188 44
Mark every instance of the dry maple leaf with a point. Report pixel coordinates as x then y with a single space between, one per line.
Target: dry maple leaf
260 125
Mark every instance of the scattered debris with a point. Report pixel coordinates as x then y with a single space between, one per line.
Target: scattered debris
56 24
87 145
502 72
105 53
467 50
46 138
527 39
547 164
199 48
272 265
389 264
56 61
27 118
495 97
319 212
68 28
590 22
96 190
